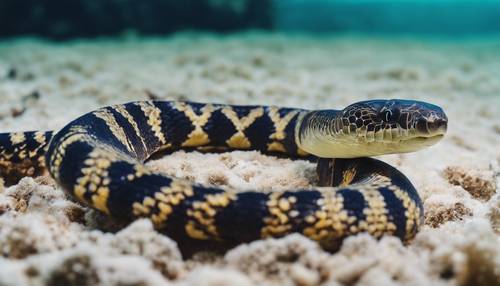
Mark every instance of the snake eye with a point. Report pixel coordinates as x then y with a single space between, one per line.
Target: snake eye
386 115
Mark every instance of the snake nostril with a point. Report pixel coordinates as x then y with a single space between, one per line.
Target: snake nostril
436 125
442 124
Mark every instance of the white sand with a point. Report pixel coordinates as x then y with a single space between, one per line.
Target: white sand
42 235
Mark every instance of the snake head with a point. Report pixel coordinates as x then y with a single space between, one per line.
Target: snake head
399 119
374 127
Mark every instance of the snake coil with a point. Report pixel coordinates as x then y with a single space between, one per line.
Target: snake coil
98 159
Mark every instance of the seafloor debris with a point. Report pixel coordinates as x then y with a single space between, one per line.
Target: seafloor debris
480 184
494 213
467 255
435 217
496 128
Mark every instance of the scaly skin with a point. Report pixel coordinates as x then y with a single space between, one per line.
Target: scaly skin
99 160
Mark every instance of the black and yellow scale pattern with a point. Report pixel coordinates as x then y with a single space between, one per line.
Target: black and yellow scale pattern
99 160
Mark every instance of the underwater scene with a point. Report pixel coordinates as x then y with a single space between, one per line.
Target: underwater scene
250 142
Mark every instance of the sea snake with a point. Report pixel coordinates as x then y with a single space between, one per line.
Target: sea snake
98 159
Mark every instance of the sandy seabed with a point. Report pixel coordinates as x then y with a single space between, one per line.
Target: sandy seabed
47 239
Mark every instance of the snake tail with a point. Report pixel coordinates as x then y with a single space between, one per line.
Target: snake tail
23 154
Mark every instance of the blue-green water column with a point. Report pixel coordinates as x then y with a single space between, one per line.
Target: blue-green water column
454 17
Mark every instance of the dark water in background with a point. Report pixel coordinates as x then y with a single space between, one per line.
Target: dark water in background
64 19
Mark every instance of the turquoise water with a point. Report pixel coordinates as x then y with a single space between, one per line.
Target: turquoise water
444 17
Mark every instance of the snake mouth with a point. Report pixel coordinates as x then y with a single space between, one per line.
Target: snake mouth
418 142
426 138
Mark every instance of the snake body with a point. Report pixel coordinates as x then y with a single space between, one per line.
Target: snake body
98 159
